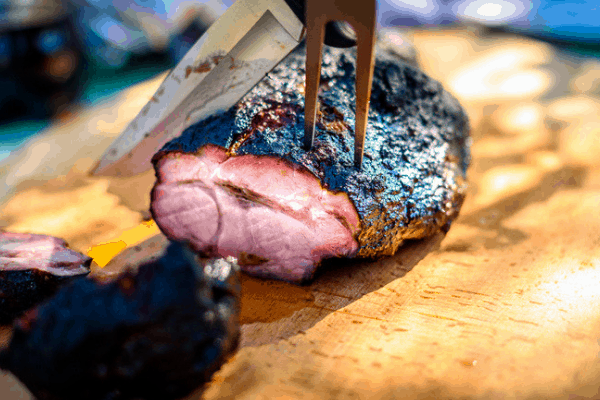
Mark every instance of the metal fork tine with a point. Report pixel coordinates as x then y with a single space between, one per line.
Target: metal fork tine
365 63
361 15
315 35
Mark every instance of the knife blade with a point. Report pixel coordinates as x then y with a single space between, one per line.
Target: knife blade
232 56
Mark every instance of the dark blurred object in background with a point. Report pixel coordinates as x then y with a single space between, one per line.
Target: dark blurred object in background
53 51
41 62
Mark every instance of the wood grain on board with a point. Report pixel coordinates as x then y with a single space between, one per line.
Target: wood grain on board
505 305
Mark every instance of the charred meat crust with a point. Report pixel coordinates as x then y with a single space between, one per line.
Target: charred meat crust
32 268
158 333
412 182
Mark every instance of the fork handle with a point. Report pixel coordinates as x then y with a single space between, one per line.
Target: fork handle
337 33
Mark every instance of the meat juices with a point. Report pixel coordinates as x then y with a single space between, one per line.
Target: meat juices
239 184
156 333
32 267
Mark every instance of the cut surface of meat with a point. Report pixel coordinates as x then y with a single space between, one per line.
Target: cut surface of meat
241 184
32 267
270 214
23 251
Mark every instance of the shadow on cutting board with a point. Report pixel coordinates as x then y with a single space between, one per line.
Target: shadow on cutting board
272 310
275 310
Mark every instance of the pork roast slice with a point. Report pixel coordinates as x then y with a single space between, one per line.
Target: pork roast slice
240 184
32 267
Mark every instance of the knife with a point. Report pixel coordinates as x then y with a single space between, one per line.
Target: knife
228 60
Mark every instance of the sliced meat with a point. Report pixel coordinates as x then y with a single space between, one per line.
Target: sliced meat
158 331
241 184
269 213
32 267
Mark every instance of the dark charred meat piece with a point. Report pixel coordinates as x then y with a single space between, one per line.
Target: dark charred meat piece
32 267
240 183
156 333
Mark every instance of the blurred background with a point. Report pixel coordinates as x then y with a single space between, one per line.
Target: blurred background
57 56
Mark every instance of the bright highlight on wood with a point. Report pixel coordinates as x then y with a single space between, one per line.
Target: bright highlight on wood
104 252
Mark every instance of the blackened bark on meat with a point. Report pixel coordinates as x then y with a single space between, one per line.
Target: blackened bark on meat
158 333
412 181
32 268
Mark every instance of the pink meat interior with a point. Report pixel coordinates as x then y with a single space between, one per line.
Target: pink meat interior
21 251
272 215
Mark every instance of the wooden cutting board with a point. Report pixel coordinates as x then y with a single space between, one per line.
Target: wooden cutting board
506 305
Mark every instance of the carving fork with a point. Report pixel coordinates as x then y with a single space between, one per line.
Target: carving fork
361 16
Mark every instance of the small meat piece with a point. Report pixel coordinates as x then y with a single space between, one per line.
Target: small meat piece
32 267
156 333
240 184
